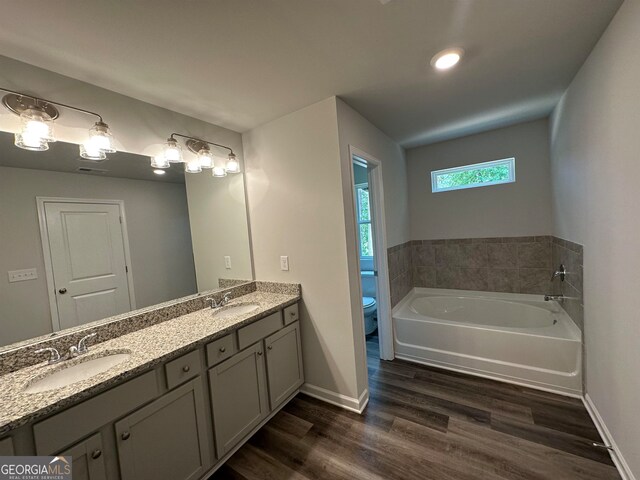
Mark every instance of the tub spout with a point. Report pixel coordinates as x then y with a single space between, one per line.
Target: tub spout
558 298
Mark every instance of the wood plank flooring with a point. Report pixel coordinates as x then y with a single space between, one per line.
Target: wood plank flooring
427 423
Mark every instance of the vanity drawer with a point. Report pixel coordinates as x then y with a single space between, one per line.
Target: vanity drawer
221 349
291 314
182 369
257 331
65 428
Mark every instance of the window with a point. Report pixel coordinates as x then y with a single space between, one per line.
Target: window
472 176
364 220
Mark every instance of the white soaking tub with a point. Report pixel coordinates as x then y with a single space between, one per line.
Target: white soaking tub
505 336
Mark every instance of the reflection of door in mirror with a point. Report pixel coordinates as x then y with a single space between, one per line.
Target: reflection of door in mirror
86 251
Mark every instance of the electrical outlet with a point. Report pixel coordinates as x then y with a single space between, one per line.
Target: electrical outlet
22 275
227 262
284 263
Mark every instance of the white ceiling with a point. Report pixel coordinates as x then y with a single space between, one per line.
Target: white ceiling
241 63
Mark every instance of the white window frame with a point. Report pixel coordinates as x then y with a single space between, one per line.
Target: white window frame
363 222
509 162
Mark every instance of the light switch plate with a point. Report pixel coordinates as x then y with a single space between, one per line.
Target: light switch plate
284 263
22 275
227 262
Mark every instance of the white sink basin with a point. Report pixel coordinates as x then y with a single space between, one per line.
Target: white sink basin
83 369
232 311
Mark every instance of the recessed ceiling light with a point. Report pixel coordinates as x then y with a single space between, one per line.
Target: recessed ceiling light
159 172
446 59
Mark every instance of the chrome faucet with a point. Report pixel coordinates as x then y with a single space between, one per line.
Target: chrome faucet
82 344
225 299
561 272
54 355
558 298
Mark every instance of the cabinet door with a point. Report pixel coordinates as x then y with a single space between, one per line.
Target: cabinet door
238 397
88 459
166 439
284 364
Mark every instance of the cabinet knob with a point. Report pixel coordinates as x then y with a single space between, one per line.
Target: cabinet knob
292 314
270 347
259 353
96 454
223 349
62 291
186 368
125 435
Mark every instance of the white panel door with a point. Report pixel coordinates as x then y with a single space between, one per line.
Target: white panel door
88 261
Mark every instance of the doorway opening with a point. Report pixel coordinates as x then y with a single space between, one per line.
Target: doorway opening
373 271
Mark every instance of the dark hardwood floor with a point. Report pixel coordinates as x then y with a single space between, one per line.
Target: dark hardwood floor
426 423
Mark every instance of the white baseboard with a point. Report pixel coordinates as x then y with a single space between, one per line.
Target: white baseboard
616 456
348 403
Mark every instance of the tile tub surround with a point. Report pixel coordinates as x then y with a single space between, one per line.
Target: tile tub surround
149 347
501 264
571 255
20 355
400 277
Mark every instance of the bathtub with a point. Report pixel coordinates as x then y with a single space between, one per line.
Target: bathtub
510 337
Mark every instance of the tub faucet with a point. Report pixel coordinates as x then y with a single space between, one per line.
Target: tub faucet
558 298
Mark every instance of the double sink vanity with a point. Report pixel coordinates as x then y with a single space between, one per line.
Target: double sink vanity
169 392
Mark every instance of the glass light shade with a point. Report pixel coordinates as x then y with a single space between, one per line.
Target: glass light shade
205 158
219 172
193 166
172 151
31 142
88 151
232 166
160 162
100 137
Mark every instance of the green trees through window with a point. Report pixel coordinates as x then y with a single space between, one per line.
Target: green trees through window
477 175
364 221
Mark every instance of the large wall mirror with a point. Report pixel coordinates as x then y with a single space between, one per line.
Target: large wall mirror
82 241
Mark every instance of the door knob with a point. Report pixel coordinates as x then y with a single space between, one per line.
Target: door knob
125 436
62 291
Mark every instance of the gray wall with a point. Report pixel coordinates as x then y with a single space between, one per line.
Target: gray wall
595 167
159 240
522 208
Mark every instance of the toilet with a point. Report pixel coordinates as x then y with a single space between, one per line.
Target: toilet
370 310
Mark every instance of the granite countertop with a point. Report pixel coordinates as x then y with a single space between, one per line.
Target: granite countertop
148 347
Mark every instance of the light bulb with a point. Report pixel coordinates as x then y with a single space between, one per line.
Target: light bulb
205 158
193 166
172 151
159 172
88 151
219 172
232 166
30 142
160 162
446 59
101 138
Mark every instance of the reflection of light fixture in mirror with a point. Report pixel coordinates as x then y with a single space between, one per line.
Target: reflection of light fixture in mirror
193 165
159 161
172 151
232 166
219 172
88 151
37 116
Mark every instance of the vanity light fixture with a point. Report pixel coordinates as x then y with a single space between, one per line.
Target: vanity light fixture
37 117
203 159
447 59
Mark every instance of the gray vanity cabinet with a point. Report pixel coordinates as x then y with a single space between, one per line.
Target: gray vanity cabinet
284 364
238 397
88 459
166 440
